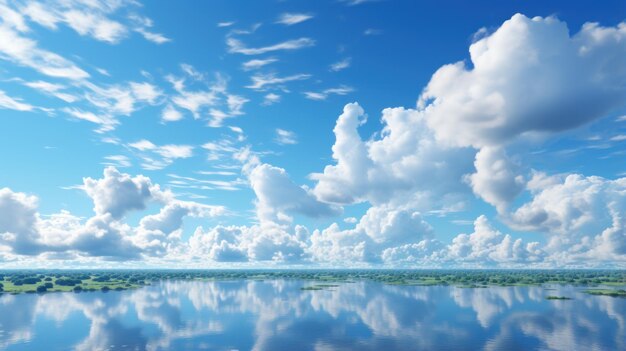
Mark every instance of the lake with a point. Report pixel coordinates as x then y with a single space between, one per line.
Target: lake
279 315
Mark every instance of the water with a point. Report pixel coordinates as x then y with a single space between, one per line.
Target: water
278 315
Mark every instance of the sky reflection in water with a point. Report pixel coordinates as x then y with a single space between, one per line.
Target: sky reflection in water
277 315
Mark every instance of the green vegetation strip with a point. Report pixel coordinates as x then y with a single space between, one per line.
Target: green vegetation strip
607 292
552 297
19 281
319 287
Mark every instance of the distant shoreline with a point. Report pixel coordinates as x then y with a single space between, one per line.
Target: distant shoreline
43 281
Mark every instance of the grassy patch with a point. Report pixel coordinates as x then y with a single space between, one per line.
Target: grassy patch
471 286
552 297
606 292
319 287
63 283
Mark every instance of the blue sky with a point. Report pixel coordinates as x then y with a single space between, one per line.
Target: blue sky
327 133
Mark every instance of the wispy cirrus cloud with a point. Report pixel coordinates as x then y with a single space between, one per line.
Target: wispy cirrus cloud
372 31
143 26
293 18
261 81
215 102
93 19
620 137
270 99
185 182
356 2
284 137
322 95
341 65
237 46
166 153
256 63
53 89
26 52
105 122
10 103
119 161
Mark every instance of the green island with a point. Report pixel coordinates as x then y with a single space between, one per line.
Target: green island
607 292
319 287
44 281
552 297
41 282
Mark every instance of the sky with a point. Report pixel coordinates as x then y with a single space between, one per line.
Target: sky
340 133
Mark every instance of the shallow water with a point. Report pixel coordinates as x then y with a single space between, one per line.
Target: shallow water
278 315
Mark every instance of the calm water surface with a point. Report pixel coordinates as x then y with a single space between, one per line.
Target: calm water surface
278 315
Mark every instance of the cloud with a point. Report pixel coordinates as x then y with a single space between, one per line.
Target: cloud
88 19
25 232
157 38
342 90
488 246
583 216
157 233
262 81
31 235
105 122
92 19
94 25
143 145
205 184
620 137
267 242
236 46
143 25
52 89
171 114
175 151
356 2
145 92
379 229
253 28
293 18
546 82
270 242
168 153
12 18
220 149
340 65
497 179
225 24
372 31
10 103
194 101
25 52
404 165
285 137
278 197
256 63
221 244
116 193
108 103
270 99
18 215
118 161
215 102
